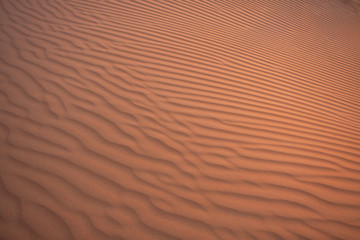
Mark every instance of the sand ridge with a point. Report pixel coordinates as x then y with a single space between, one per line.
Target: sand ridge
179 120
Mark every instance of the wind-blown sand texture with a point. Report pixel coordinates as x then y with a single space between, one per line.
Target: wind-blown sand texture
185 119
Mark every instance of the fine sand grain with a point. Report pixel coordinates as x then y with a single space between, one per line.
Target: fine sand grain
198 120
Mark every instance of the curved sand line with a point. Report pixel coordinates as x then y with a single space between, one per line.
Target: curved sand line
179 120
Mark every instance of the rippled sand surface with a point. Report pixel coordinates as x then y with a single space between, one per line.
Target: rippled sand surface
195 120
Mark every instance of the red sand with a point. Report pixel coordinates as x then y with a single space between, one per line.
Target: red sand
179 120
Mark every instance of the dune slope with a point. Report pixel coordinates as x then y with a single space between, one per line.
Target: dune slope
185 119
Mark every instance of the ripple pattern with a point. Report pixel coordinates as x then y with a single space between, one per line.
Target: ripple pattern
161 119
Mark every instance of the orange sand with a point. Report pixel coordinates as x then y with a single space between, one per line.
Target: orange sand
197 120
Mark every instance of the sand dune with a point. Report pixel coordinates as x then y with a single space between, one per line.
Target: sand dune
179 120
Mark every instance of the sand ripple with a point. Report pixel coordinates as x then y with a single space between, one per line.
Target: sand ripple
179 120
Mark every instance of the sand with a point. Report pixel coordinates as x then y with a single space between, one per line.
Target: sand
162 119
